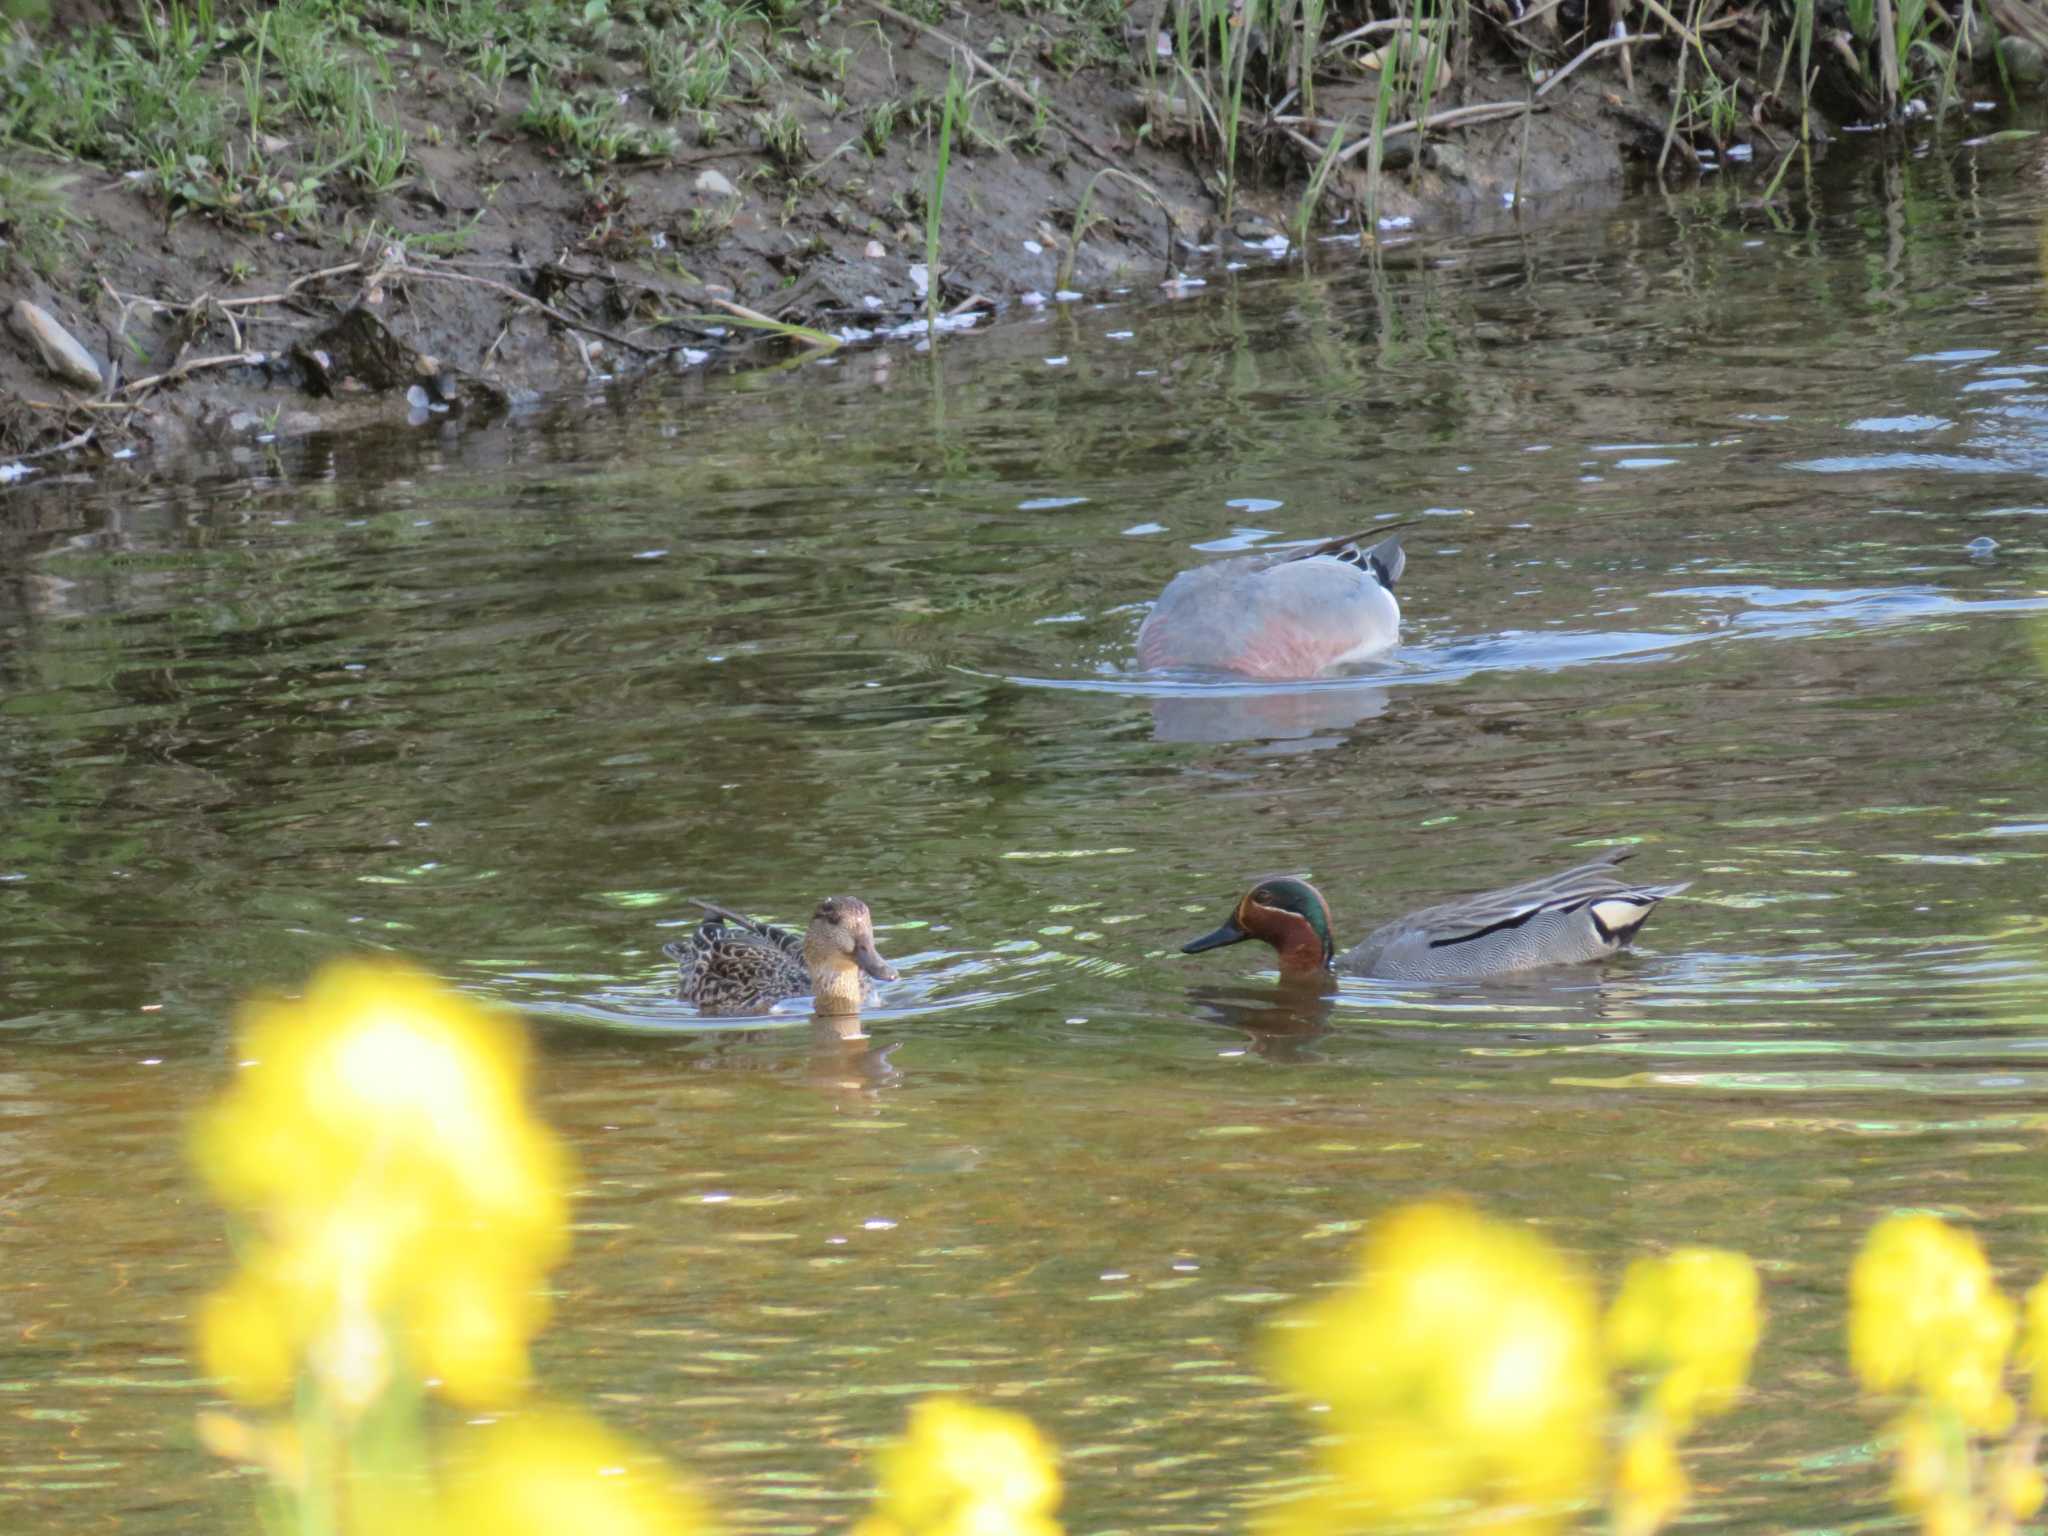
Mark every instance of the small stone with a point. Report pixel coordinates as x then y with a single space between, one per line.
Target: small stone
417 398
244 421
876 250
1449 161
712 184
271 144
60 351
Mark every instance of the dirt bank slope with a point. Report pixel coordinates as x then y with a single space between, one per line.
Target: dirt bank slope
272 219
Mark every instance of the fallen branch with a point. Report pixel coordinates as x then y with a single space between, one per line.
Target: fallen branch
1305 144
172 375
66 407
66 446
289 291
1008 85
1456 117
1535 13
1557 77
1370 29
1671 21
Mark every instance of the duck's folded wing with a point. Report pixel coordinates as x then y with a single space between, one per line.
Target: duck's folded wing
1616 904
737 929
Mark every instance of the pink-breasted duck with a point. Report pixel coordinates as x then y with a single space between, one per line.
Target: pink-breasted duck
1291 615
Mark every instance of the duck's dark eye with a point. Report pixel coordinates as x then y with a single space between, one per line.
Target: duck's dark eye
1263 896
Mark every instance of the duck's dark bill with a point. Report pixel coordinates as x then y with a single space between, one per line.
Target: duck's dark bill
1229 933
866 957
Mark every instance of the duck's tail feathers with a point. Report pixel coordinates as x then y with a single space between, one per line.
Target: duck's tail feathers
1386 559
1620 917
713 909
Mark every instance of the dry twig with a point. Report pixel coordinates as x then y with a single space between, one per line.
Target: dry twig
172 375
66 446
1456 117
1557 77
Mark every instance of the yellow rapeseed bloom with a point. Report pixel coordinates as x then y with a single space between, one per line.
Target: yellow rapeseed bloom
964 1470
1926 1317
1691 1319
1650 1487
554 1471
2017 1488
1460 1365
2033 1349
1923 1468
402 1197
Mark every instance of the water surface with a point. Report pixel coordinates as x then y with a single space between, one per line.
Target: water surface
1698 486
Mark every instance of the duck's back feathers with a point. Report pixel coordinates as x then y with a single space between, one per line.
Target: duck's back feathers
738 963
1290 615
1583 913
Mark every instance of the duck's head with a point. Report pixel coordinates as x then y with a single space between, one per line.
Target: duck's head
839 942
1284 911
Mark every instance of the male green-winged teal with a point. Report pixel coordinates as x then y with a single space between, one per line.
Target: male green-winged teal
1282 616
733 964
1587 912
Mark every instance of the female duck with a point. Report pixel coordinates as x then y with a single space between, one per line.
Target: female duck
1587 912
733 964
1285 616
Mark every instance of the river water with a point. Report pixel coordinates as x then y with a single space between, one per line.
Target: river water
1694 483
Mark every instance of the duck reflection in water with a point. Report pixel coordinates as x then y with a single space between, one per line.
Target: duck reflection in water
1313 713
844 1058
1279 1023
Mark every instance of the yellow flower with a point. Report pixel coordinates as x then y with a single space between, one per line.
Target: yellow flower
1460 1364
1650 1487
246 1340
1923 1467
402 1196
554 1471
2017 1488
2033 1350
1691 1319
1949 1515
1925 1316
964 1470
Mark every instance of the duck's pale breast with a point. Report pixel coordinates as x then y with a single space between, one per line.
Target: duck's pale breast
1281 621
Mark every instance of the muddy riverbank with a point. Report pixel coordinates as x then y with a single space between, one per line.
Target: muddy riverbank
274 221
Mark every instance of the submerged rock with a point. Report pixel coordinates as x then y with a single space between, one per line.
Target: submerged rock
59 349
